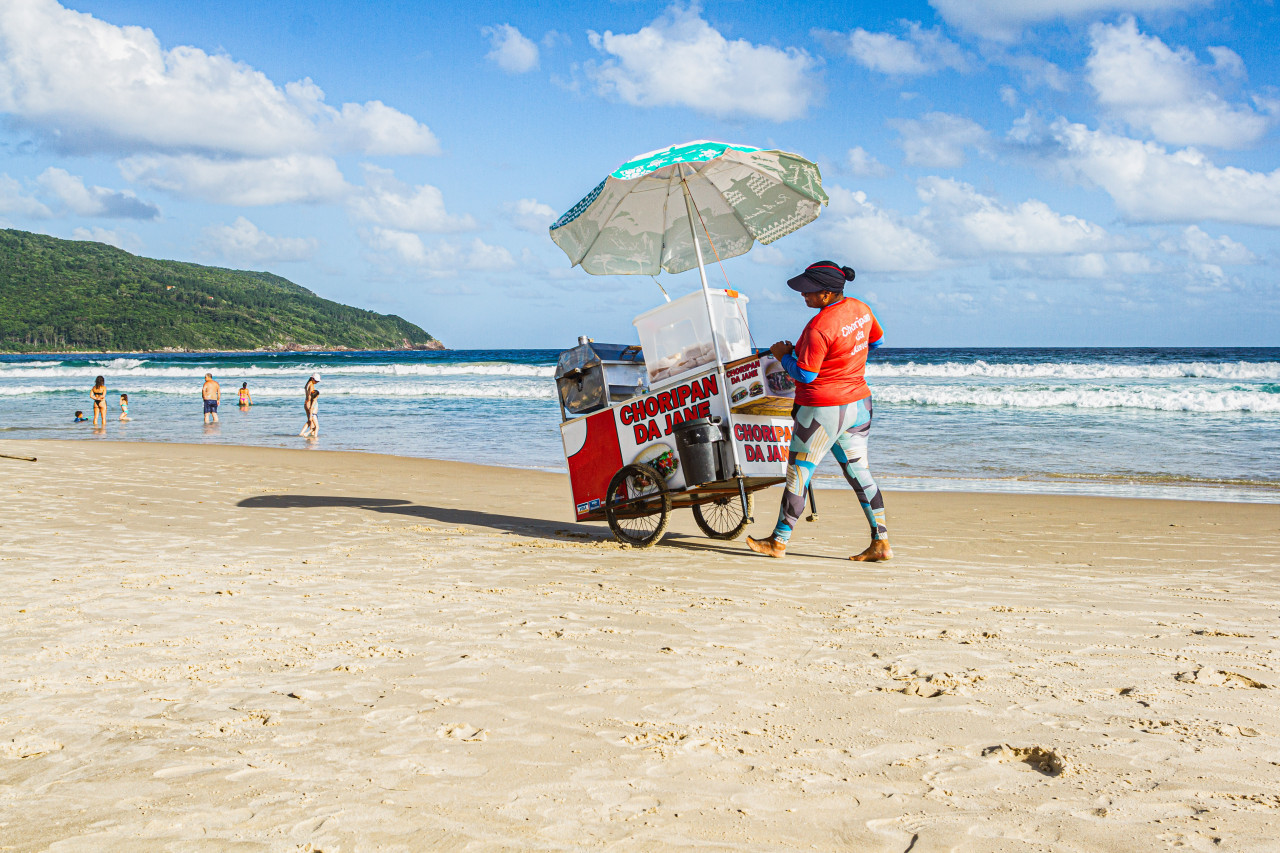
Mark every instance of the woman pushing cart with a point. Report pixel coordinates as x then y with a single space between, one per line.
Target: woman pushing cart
695 416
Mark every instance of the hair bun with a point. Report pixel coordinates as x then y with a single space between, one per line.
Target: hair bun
848 273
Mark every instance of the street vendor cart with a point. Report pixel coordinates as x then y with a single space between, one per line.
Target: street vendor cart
695 416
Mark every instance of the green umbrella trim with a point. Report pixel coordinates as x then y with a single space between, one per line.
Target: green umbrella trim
689 152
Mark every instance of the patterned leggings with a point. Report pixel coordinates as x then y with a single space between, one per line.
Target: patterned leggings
843 430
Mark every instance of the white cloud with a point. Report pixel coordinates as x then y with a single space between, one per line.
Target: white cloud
1227 61
1207 278
959 225
512 52
388 201
75 197
14 201
1004 20
864 165
444 259
377 129
1095 266
1197 244
681 60
274 180
770 256
66 194
1151 184
555 39
1039 73
125 240
971 224
872 239
939 140
244 242
85 84
1166 92
529 214
919 51
403 245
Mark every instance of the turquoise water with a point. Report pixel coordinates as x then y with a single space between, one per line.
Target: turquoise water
1188 423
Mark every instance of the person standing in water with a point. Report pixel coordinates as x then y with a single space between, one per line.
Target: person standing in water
310 395
833 404
246 399
124 407
212 394
98 394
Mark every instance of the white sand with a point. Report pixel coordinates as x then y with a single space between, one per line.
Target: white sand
217 648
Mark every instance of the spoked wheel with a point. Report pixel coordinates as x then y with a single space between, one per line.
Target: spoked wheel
638 506
723 518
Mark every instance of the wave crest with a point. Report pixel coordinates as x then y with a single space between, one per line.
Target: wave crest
1156 399
136 368
1240 371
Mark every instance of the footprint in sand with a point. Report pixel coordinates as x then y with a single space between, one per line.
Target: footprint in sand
461 731
1038 758
1218 678
27 748
931 685
1234 678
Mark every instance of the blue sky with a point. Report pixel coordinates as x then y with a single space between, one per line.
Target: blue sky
1058 173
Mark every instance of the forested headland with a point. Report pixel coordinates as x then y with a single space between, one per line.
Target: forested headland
65 295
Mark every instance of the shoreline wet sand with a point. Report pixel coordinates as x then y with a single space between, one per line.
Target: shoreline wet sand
268 649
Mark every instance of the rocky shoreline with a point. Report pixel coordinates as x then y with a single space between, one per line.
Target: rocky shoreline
430 346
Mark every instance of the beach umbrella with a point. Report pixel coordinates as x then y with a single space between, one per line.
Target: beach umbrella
666 209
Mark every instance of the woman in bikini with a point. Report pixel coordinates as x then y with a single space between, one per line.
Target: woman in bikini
98 394
309 405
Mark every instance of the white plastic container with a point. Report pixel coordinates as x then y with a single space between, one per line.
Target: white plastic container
676 337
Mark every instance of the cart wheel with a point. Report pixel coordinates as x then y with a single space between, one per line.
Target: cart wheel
723 518
638 506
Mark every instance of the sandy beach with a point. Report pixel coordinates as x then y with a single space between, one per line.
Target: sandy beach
217 648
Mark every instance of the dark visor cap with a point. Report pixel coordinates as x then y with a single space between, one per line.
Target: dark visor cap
822 275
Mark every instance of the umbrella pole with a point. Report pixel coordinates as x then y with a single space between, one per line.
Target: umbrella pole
693 232
715 346
702 271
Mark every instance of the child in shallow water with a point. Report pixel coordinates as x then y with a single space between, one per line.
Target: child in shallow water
80 418
124 407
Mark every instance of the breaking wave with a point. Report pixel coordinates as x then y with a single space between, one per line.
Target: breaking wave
1239 371
117 370
120 363
509 390
1157 398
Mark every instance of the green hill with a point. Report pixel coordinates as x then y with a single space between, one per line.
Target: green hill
61 295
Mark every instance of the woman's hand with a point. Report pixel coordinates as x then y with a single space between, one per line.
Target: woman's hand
781 348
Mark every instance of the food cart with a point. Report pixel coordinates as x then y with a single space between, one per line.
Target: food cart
694 425
696 416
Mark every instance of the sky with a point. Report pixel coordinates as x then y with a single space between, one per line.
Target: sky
1000 172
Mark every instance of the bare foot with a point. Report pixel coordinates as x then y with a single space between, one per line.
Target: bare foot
877 552
768 546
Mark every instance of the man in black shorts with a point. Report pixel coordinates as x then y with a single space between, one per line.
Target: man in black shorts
212 393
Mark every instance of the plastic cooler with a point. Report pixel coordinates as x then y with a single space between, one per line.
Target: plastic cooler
676 337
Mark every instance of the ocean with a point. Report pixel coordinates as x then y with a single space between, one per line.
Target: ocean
1163 423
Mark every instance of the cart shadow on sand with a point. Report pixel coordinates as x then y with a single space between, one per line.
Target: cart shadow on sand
539 528
535 528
